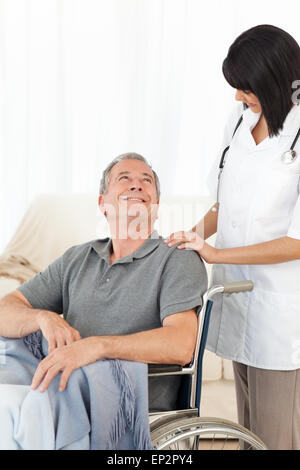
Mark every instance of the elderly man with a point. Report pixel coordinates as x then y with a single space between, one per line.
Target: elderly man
128 297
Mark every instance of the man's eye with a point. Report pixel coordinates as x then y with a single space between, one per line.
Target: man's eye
124 176
148 180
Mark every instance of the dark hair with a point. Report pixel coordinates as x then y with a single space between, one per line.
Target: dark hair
265 60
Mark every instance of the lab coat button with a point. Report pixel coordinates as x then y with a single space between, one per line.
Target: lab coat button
234 224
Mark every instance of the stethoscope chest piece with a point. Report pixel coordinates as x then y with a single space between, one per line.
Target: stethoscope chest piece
289 157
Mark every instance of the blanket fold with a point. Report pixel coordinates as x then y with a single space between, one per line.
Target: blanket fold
104 406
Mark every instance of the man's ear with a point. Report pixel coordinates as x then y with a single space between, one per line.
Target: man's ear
102 205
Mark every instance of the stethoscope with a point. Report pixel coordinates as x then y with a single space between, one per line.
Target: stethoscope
287 158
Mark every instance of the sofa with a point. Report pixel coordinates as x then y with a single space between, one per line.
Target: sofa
54 222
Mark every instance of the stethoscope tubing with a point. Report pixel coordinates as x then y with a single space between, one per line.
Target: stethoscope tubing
223 161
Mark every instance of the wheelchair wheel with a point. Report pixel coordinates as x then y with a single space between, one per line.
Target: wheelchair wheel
204 434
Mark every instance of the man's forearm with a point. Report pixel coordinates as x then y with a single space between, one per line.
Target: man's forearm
276 251
16 319
159 346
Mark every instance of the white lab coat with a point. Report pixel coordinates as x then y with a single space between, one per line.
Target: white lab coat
259 202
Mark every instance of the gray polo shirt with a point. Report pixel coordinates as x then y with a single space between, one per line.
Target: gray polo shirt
133 294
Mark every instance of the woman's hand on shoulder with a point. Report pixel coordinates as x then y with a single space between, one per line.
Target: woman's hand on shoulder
192 241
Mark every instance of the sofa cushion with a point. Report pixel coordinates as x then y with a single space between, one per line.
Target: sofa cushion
7 285
212 367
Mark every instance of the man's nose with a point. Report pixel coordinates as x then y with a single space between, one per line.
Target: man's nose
135 185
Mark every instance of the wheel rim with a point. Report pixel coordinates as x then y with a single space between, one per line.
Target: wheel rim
218 431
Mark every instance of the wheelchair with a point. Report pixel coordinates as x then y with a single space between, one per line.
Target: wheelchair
185 429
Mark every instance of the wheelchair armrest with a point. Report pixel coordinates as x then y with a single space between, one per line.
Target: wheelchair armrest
163 368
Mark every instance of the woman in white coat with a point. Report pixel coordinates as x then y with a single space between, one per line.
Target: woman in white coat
257 220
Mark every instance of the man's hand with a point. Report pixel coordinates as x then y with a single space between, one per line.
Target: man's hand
66 359
56 330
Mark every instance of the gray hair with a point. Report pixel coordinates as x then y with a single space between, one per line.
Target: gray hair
125 156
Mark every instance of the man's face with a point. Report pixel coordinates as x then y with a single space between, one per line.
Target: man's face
131 192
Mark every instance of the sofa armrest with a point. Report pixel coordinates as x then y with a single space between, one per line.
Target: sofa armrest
227 370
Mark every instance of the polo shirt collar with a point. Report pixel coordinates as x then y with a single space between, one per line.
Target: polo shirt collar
104 247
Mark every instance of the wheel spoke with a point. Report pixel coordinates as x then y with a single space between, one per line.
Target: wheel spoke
225 442
212 442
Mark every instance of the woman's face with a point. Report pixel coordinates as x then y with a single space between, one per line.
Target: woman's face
249 99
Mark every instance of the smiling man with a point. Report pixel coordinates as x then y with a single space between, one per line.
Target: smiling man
127 297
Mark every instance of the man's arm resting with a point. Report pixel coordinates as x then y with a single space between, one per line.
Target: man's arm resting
173 343
18 319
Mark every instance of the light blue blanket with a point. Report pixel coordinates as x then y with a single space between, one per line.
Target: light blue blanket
104 407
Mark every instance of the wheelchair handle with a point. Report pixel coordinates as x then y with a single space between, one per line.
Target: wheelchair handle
235 287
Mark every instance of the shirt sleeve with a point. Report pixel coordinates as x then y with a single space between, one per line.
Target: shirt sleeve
294 228
183 283
44 290
212 179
